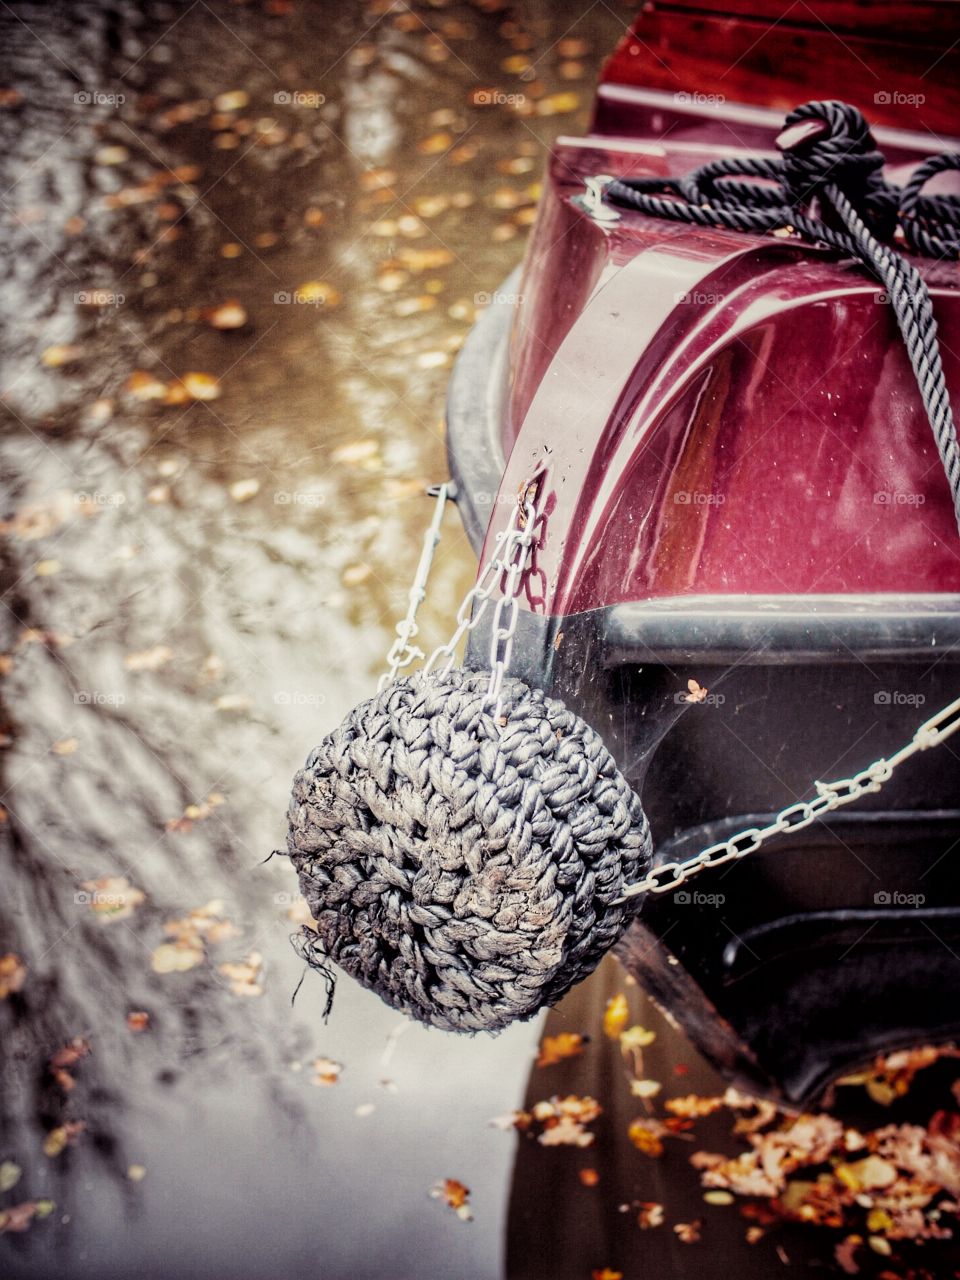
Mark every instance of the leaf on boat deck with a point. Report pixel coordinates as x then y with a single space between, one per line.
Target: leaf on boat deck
616 1016
567 1044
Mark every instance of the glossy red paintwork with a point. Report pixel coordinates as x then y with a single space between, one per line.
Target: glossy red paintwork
722 413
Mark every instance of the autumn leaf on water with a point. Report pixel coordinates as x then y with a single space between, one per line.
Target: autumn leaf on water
564 1121
687 1232
645 1088
63 1136
244 490
137 1021
9 1175
19 1216
693 1106
244 975
196 812
606 1274
191 934
455 1195
228 315
646 1134
588 1177
149 659
616 1016
13 974
649 1215
65 1059
636 1038
568 1044
111 897
326 1072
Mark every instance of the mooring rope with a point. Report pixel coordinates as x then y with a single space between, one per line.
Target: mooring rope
828 153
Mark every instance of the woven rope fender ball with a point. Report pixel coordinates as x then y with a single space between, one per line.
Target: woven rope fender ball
467 875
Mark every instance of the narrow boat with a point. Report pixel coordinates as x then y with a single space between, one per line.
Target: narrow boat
749 571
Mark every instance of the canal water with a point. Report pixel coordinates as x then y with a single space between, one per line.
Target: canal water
242 244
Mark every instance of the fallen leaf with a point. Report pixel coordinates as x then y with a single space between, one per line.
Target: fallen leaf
616 1016
65 747
455 1195
231 702
19 1216
650 1215
645 1136
354 574
145 386
201 386
112 155
326 1072
65 1059
60 354
112 897
319 293
149 659
589 1177
636 1038
176 957
687 1232
232 100
136 1172
244 975
645 1088
606 1274
695 693
556 104
568 1044
13 974
57 1140
196 813
244 490
10 1174
357 451
718 1197
227 315
693 1106
138 1020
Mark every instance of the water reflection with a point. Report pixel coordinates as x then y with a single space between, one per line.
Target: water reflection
195 589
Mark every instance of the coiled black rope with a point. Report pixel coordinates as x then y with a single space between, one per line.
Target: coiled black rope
828 153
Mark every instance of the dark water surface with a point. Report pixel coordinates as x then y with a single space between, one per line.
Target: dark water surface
195 590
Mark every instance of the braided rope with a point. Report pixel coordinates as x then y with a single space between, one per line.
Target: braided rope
468 877
835 159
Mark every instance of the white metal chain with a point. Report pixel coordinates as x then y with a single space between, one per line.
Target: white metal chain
402 653
511 558
514 550
830 796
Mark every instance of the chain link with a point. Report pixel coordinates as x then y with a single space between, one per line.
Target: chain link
511 559
830 796
402 653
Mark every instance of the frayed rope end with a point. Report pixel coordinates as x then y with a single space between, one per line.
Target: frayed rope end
309 948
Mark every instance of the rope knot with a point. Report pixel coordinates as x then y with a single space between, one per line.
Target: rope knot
829 144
